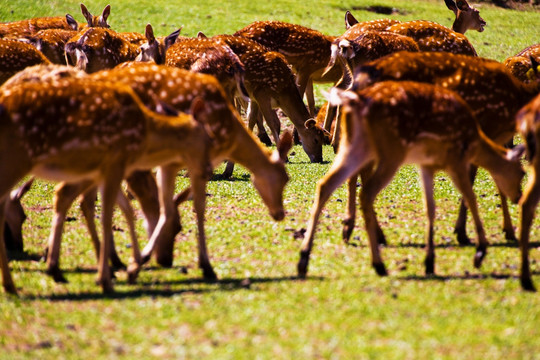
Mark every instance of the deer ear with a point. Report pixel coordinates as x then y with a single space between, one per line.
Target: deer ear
72 22
86 14
171 38
197 107
350 20
105 14
149 33
463 5
451 5
201 35
310 123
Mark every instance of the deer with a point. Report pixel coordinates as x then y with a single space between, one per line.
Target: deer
269 80
154 49
467 17
15 218
98 48
16 55
96 20
80 130
521 64
383 128
493 94
528 126
51 42
231 140
29 27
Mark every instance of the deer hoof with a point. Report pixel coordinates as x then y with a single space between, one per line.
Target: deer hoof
479 257
380 269
57 275
527 284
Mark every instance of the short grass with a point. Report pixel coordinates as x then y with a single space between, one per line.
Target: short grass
258 309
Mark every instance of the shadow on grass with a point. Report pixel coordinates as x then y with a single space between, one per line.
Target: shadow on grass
362 244
233 178
465 276
148 288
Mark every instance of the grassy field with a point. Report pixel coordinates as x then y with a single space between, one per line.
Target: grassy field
258 310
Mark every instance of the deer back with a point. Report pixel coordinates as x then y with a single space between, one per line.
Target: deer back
16 55
29 27
520 65
51 42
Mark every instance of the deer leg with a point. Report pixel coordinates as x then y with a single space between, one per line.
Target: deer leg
110 189
166 177
528 202
460 228
464 185
429 202
310 96
348 223
337 128
508 228
365 173
198 187
342 169
129 214
64 196
255 118
7 280
265 107
229 168
371 186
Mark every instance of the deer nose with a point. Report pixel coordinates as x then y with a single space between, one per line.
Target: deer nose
279 215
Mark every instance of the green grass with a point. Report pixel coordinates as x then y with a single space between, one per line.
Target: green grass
258 309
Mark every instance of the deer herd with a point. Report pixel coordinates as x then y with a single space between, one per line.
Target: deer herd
89 107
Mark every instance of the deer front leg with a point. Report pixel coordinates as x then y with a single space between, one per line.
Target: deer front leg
263 104
528 203
64 196
508 228
348 223
135 261
429 203
460 228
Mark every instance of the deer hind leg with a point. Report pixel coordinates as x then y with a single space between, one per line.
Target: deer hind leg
464 185
254 117
346 165
364 174
64 196
270 116
348 222
508 228
528 203
429 202
136 260
371 186
460 228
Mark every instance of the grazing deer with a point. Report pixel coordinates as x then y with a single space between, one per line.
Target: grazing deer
521 64
15 56
393 123
29 27
270 82
493 94
305 49
81 130
528 125
98 48
467 17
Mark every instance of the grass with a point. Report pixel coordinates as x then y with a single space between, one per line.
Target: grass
258 309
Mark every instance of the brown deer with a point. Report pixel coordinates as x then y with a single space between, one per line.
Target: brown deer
467 17
528 125
521 64
493 94
97 20
99 48
270 82
154 49
306 50
392 123
29 27
51 42
80 130
16 55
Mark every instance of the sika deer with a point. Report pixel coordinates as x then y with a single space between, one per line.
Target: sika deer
97 20
97 48
382 129
154 49
268 79
231 141
521 64
15 56
305 49
493 94
79 130
528 125
467 17
52 42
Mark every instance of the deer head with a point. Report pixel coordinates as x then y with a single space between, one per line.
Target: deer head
467 17
97 21
155 49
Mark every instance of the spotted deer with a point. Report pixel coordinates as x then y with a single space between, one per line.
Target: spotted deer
270 82
99 48
51 42
528 126
231 141
493 94
467 17
16 55
394 123
97 20
81 130
521 64
154 49
29 27
306 50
